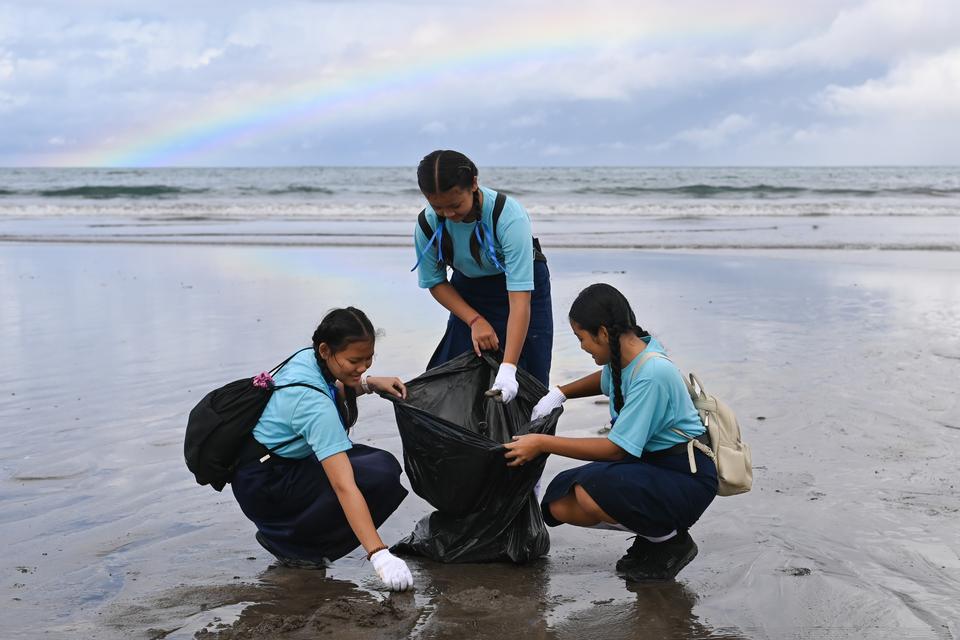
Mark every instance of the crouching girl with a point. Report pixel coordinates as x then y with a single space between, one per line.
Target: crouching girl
640 478
317 496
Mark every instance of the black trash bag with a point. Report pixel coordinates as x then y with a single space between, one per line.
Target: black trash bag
452 437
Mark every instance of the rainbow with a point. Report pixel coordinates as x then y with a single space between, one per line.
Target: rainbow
245 117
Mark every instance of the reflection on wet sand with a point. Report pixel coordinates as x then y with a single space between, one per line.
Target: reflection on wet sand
451 601
657 611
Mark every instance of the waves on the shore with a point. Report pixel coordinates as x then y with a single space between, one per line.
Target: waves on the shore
764 190
102 192
621 207
693 191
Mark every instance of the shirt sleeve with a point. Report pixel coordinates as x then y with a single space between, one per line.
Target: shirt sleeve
515 237
646 405
315 418
430 273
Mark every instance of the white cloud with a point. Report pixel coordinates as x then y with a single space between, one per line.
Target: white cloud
928 86
876 29
717 134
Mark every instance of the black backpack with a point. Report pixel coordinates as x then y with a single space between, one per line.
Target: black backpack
220 425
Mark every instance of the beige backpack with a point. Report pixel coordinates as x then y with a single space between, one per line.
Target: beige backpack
727 450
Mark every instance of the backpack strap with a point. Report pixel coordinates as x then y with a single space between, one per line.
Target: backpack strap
647 356
424 225
280 366
497 210
692 443
284 386
479 242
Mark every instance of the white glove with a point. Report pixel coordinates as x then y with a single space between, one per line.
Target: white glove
506 382
392 570
548 403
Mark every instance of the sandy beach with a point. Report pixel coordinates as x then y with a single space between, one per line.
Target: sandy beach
842 366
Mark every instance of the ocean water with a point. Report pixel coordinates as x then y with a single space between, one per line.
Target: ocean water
841 208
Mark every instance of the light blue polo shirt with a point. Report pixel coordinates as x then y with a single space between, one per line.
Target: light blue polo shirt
513 246
303 411
655 400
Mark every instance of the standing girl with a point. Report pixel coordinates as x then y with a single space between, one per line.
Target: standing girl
499 293
640 478
313 494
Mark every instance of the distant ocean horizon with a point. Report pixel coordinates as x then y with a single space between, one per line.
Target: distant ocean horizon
666 207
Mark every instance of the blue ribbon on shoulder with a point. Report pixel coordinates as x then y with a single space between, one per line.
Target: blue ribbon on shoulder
436 237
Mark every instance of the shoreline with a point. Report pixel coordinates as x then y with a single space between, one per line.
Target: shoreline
183 242
697 233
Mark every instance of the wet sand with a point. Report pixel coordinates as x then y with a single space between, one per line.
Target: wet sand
842 366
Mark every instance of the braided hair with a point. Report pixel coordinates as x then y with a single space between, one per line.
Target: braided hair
601 305
338 329
442 170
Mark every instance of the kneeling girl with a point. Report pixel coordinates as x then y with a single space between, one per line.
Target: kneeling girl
640 478
313 494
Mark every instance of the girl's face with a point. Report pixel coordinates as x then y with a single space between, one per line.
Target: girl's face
454 204
597 346
348 364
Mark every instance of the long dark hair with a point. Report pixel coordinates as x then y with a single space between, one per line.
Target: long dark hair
338 329
601 305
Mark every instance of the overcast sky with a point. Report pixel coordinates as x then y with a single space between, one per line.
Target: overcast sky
679 82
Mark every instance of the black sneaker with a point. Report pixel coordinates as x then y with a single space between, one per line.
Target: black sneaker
637 553
657 561
293 563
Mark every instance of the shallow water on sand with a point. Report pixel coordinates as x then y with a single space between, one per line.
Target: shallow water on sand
841 366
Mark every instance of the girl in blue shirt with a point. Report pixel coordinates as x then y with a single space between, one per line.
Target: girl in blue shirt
640 478
499 292
314 495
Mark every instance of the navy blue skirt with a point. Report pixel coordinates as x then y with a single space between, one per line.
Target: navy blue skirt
295 508
651 497
488 295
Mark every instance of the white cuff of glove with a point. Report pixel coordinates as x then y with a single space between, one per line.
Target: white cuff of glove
393 571
548 403
506 382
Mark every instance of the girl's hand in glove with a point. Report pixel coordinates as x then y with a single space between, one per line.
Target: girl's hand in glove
548 403
392 570
506 382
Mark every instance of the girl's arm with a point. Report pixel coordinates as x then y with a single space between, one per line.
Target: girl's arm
525 448
340 474
585 387
517 324
484 337
393 571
